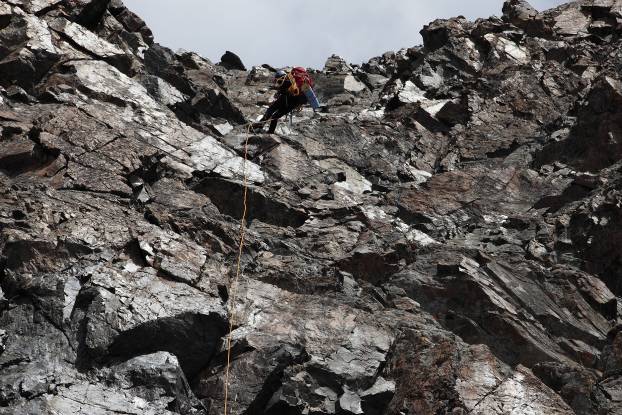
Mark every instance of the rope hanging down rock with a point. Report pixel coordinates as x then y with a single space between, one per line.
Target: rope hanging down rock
234 286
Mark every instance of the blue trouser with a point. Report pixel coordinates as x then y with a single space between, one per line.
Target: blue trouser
312 98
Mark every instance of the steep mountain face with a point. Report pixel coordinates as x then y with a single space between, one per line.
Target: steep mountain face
446 239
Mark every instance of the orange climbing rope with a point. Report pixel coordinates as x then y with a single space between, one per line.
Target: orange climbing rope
234 285
232 297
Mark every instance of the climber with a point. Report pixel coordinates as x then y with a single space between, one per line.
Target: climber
294 89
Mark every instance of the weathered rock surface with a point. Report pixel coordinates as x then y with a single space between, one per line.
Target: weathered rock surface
444 240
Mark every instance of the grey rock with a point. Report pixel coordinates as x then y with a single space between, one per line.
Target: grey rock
445 239
375 399
336 64
374 81
571 22
232 61
27 50
598 113
350 403
522 14
92 44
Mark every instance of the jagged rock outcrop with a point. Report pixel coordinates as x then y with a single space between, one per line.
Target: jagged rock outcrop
444 240
232 61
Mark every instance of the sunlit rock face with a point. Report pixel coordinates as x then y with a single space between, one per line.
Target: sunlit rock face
443 238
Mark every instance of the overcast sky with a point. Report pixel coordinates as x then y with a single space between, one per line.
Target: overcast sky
298 32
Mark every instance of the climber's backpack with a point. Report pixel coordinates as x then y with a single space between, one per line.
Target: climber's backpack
300 80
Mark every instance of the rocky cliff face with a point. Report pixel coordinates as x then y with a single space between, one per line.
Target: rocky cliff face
445 240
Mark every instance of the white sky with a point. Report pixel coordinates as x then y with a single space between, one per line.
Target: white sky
298 32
